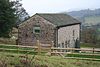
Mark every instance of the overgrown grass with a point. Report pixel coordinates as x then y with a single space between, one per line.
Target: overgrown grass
55 61
7 41
47 61
11 58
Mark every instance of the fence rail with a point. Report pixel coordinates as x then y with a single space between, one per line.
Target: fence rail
90 53
80 49
20 46
54 50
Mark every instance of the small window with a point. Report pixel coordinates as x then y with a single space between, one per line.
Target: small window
73 32
26 35
36 29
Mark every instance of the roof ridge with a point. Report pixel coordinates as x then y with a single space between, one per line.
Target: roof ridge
52 13
58 19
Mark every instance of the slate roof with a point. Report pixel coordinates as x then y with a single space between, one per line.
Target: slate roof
59 19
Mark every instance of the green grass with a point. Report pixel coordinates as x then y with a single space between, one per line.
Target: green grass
88 45
18 51
83 56
47 61
11 54
14 47
92 19
60 62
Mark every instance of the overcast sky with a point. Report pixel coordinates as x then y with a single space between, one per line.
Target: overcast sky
55 6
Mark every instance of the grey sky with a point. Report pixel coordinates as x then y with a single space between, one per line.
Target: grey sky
53 6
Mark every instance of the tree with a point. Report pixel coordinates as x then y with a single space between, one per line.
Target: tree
20 12
7 17
11 14
89 35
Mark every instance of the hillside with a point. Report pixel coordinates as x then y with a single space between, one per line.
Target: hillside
87 15
90 20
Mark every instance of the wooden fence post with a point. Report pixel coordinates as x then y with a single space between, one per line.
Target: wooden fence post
39 46
93 53
52 45
93 50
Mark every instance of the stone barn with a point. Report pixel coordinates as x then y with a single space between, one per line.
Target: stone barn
61 29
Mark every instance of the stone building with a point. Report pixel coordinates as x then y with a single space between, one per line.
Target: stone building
62 29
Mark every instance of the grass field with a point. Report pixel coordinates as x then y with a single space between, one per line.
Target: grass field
15 49
14 60
84 56
12 56
88 45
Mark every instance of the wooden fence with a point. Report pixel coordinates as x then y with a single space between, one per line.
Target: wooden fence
58 51
54 50
91 53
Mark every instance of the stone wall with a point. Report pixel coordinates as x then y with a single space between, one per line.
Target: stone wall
64 37
26 35
68 35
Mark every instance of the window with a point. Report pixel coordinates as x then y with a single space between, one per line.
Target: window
26 35
36 29
73 32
